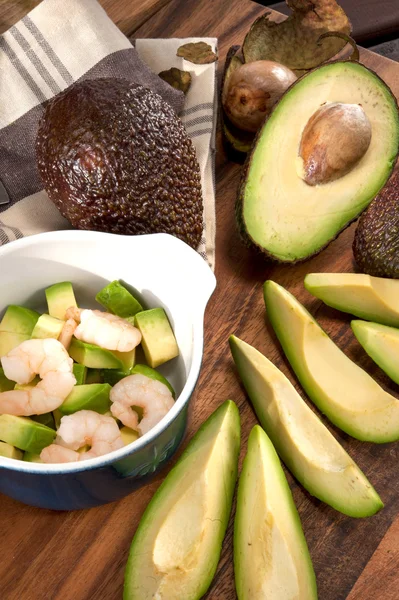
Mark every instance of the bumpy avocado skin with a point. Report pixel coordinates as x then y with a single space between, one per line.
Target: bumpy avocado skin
113 156
376 243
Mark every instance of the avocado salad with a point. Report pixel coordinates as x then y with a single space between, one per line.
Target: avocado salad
77 383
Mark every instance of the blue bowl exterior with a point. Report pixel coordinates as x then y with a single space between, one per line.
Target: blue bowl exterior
94 486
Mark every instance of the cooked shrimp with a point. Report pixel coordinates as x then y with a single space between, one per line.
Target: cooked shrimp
46 358
154 397
104 330
84 427
67 332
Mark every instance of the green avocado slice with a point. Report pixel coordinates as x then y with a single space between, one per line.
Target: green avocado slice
91 396
158 340
115 298
47 327
95 357
18 319
9 341
370 298
303 442
176 548
25 434
346 394
277 211
9 451
381 343
271 557
60 297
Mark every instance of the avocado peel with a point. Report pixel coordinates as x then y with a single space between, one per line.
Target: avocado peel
199 53
295 41
178 79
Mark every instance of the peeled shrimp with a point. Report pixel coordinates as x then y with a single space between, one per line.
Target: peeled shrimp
84 427
104 330
67 332
154 397
46 358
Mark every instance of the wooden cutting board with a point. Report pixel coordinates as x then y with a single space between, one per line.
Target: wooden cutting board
82 555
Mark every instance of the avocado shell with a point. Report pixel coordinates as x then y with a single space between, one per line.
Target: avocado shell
236 139
113 156
245 237
376 243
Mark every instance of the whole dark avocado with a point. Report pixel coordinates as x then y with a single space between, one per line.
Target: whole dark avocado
113 156
376 243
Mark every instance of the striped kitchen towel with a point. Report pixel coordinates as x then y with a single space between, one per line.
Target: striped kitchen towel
59 43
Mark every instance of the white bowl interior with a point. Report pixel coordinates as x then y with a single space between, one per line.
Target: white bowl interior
161 270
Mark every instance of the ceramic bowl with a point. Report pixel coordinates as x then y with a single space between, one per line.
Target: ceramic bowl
164 271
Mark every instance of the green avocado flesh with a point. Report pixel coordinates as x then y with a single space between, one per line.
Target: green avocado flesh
9 341
25 434
277 211
92 396
345 393
46 419
371 298
60 297
32 457
158 340
115 298
95 357
271 557
80 373
176 548
381 343
9 451
5 384
128 435
18 319
303 442
47 327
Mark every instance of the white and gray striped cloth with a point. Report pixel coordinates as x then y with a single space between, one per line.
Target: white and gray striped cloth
59 43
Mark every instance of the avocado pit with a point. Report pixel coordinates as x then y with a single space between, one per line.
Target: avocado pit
334 140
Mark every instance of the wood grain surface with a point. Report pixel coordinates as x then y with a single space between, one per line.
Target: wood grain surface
81 555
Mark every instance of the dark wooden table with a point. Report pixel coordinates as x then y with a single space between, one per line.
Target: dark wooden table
81 555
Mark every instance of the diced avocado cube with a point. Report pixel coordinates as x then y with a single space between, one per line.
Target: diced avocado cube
60 297
47 419
152 374
95 357
80 372
27 386
25 434
32 457
112 376
158 340
94 376
47 327
9 341
5 384
18 319
92 396
118 300
128 435
9 451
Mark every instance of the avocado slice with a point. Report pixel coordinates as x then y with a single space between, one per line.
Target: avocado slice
346 394
46 419
80 373
177 545
47 327
158 340
116 299
5 384
9 341
271 557
95 357
381 343
95 376
32 457
18 319
278 212
92 396
9 451
112 376
371 298
128 435
303 442
25 434
60 297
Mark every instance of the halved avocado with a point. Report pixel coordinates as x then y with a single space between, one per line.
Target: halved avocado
271 557
371 298
381 343
176 548
277 212
346 394
303 442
